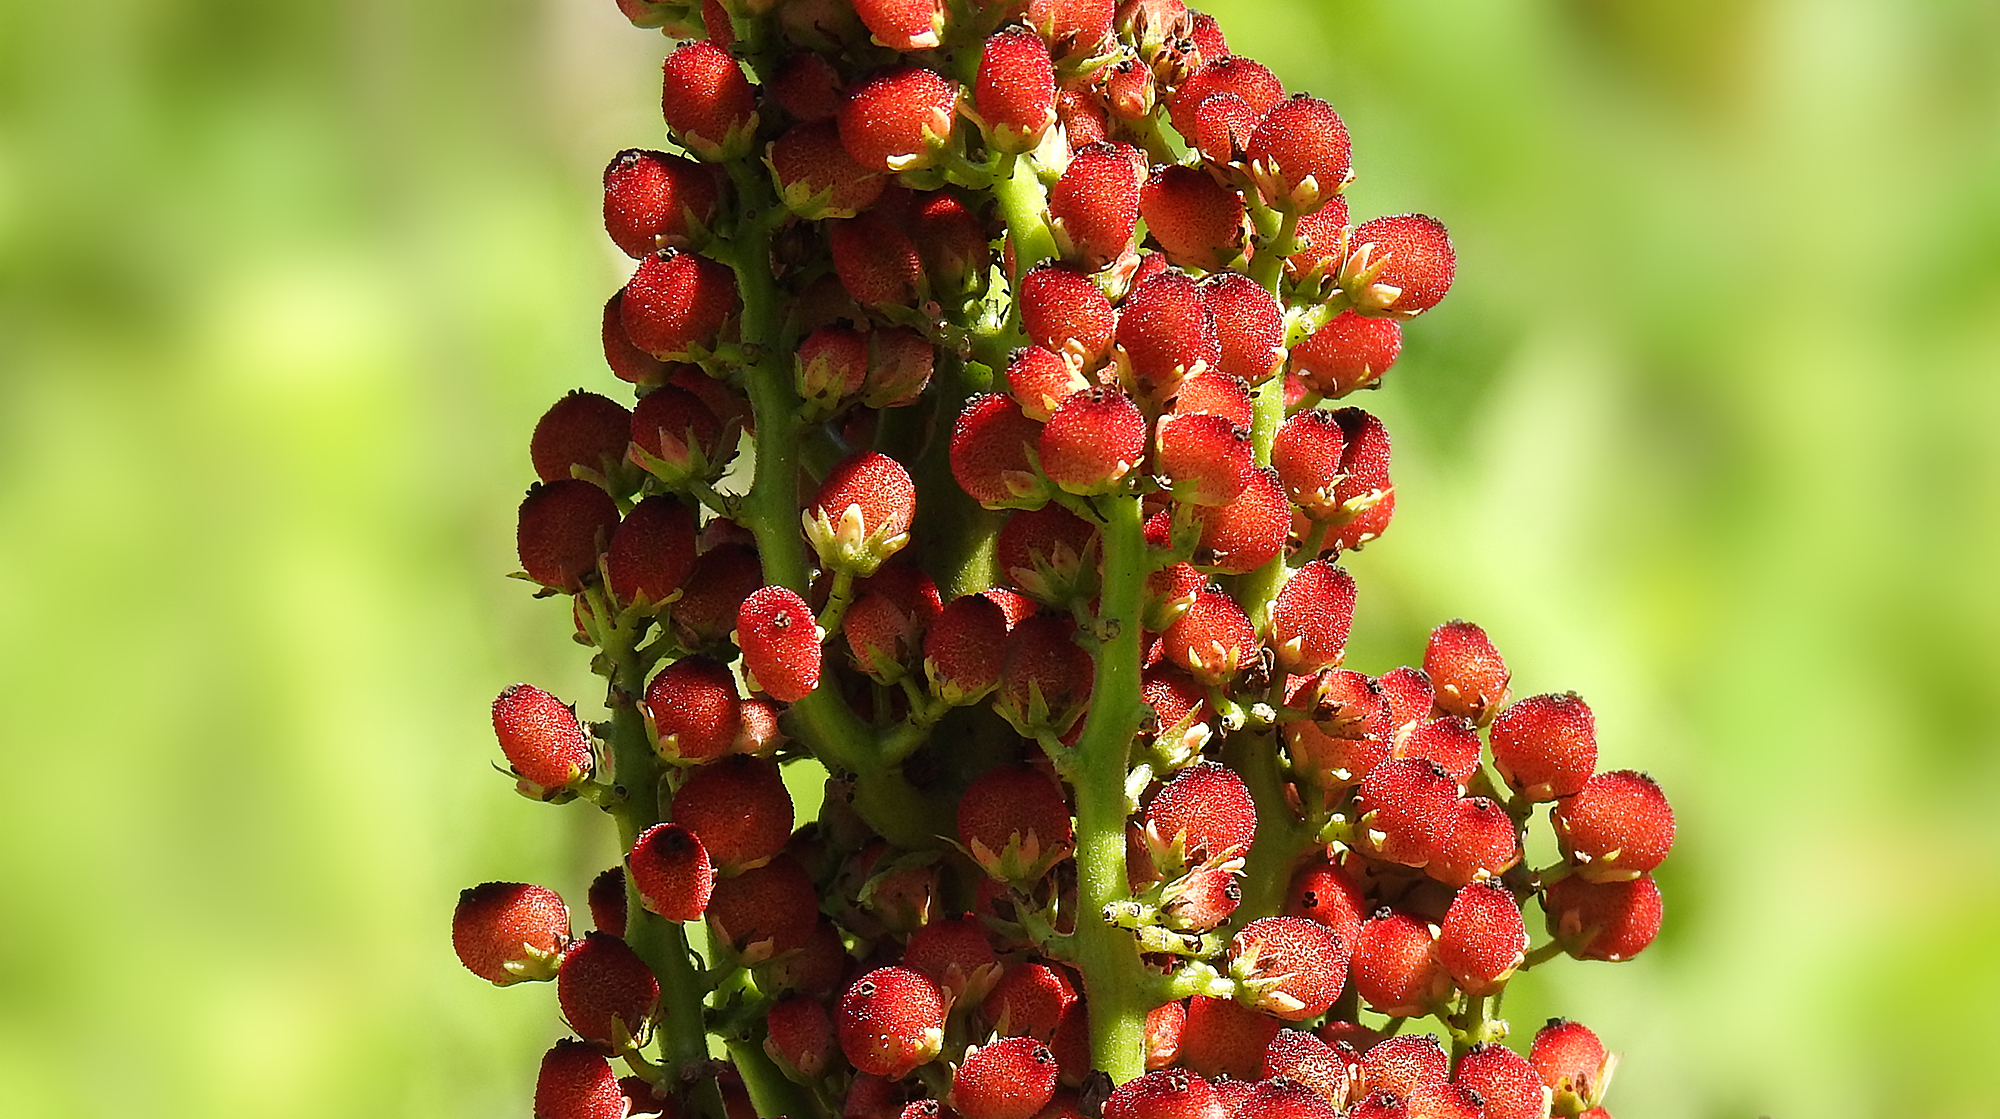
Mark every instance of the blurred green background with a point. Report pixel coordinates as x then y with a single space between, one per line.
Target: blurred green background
1704 433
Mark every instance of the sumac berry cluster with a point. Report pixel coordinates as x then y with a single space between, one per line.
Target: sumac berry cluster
977 455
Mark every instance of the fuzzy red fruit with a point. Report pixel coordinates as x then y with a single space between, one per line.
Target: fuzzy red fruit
1030 1000
1306 1059
1167 331
957 956
1064 311
899 119
989 449
1072 26
903 25
653 200
872 1097
862 513
628 362
1447 1101
1452 743
1618 826
1041 380
879 635
831 365
1084 117
1482 939
1367 490
1299 155
607 901
1213 392
1198 221
1246 78
765 912
807 86
672 872
891 1021
953 241
1311 618
1094 206
607 993
675 427
576 1082
1180 712
582 429
1348 734
695 709
1410 694
1201 899
1470 677
1545 746
1205 813
1284 1098
563 525
1012 1078
1603 920
1013 822
1415 260
1222 125
1395 965
1505 1080
1327 894
1212 639
1205 459
676 304
707 102
1171 1093
1405 1064
876 261
798 1035
817 178
1015 90
1306 455
963 648
720 580
1045 678
1572 1064
1405 804
1130 89
1291 967
1094 439
1478 842
1350 352
1248 533
507 932
1164 1025
1380 1105
1249 327
1321 243
1206 35
1169 592
738 807
652 552
540 737
1050 553
780 642
1225 1038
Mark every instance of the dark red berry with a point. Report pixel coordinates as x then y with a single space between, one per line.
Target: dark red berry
540 737
891 1021
576 1082
652 552
695 709
506 932
563 526
672 872
654 201
1618 826
608 994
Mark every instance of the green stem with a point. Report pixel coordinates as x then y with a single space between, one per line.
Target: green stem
1024 206
1113 974
661 943
1540 956
772 1093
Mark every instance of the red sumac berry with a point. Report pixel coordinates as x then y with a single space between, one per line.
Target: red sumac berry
507 932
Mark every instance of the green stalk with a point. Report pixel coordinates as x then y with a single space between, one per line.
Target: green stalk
1113 975
1025 207
770 510
1281 835
663 944
771 1091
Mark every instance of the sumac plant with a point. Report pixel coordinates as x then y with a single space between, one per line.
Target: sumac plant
990 449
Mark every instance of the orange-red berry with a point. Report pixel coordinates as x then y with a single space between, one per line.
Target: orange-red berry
695 709
1012 1078
1395 965
1416 259
1482 939
738 807
563 525
672 872
1311 617
1197 221
1505 1080
1572 1064
653 200
1015 90
780 642
903 25
675 305
1618 826
584 430
540 737
607 993
1065 312
1094 206
1093 441
1225 1038
1350 352
506 932
1299 155
891 1021
576 1082
798 1035
652 551
1545 746
1014 823
898 118
1205 811
1170 1093
1467 671
707 102
766 911
817 178
1290 967
1212 639
1603 920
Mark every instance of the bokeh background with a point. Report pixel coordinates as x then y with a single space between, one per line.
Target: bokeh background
1705 432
